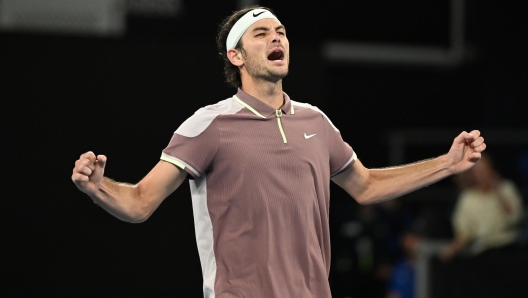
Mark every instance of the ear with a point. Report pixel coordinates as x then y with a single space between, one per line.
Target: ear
235 56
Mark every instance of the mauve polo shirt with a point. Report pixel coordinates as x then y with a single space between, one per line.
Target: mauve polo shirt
261 194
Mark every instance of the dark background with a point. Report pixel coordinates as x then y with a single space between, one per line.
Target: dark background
124 97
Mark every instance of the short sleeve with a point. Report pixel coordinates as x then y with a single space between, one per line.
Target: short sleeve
194 144
341 154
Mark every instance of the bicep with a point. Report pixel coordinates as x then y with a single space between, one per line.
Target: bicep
161 181
354 180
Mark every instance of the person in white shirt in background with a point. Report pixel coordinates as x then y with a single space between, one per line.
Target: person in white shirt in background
487 213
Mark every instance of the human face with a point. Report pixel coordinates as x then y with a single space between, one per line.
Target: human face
484 174
265 50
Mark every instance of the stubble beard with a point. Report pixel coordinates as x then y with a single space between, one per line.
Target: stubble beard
259 70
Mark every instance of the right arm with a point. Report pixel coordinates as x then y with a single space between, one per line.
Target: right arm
130 203
458 244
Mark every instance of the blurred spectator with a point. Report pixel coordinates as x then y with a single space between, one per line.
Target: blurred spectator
402 280
523 238
487 212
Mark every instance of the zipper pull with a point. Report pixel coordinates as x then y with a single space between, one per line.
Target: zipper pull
278 113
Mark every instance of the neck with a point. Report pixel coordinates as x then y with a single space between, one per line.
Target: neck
268 92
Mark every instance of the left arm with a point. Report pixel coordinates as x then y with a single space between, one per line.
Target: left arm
510 201
369 186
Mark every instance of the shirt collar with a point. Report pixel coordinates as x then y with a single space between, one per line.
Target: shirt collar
260 108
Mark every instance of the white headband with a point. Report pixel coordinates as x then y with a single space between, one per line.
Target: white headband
243 24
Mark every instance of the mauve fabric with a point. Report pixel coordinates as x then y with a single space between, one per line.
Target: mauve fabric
268 202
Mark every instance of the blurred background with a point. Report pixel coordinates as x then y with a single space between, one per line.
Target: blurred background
400 79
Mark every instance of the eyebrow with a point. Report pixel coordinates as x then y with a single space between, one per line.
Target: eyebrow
267 29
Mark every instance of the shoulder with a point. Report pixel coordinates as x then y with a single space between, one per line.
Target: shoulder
205 116
301 106
509 188
226 106
508 184
311 109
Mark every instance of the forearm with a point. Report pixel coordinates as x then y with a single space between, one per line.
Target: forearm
511 206
376 185
458 244
389 183
505 205
122 200
131 203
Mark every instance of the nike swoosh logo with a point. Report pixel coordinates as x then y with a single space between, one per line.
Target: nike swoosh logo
307 137
256 15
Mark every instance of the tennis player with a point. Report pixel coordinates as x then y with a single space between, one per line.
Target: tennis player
259 166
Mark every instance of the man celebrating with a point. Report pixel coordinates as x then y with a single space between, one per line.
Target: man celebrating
260 167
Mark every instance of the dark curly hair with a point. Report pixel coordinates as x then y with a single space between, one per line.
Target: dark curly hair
231 71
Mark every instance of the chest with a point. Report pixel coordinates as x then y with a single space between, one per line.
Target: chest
484 209
257 143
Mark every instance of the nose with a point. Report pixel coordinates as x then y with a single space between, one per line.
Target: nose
275 37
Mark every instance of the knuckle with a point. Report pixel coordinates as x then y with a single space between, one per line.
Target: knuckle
76 177
80 169
87 155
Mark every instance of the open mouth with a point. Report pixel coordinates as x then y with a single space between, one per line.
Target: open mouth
276 55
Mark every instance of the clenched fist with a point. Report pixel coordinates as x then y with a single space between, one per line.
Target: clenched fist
88 172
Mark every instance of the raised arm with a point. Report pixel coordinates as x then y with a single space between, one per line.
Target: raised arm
369 186
130 203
